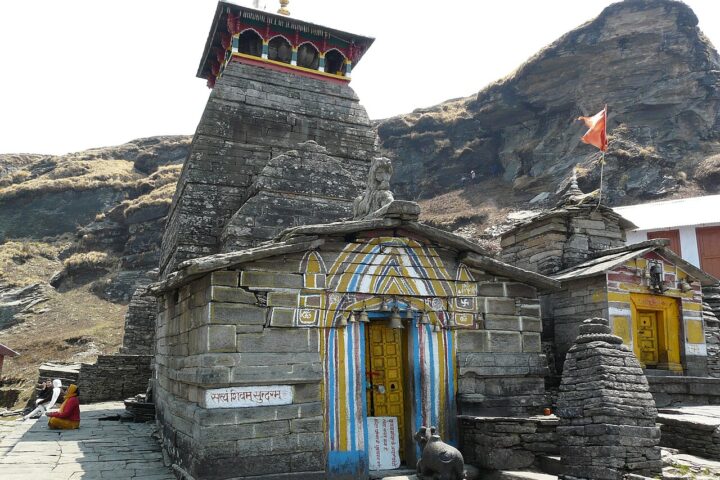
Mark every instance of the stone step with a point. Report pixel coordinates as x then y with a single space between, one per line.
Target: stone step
520 475
550 465
471 473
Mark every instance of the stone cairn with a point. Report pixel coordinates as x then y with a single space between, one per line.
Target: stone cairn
711 310
607 413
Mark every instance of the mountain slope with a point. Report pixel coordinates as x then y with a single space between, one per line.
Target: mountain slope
645 58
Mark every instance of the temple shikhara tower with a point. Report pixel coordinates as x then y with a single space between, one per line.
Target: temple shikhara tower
279 87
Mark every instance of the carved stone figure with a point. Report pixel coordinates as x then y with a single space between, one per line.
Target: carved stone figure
377 194
438 461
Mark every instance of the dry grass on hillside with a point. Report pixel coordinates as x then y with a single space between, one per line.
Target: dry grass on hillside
162 182
71 175
25 262
71 326
480 204
77 326
87 261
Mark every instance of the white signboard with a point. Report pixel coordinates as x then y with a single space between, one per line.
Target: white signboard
383 443
241 397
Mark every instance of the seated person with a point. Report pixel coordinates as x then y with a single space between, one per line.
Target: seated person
47 396
68 417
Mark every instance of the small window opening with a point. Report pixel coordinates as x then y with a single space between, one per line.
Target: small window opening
279 50
308 57
334 63
250 43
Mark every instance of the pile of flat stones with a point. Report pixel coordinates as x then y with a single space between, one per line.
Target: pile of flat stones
607 413
711 297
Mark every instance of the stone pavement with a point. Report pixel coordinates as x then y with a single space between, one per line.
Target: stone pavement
98 450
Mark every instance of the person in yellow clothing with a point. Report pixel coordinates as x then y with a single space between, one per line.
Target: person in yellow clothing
68 417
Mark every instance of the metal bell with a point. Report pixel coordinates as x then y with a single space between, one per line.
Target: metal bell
341 322
363 316
353 317
395 320
425 318
384 307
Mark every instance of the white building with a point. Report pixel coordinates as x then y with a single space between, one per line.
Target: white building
691 224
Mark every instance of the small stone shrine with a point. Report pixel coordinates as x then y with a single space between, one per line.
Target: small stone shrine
607 413
652 297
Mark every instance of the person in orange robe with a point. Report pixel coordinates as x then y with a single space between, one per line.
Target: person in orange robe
68 417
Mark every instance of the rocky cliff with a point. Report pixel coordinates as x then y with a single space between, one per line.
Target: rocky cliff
107 204
646 59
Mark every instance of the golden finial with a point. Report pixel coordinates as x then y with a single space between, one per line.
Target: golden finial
283 7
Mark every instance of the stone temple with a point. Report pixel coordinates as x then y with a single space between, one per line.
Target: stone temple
301 307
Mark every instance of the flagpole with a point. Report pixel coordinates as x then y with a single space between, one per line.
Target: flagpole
602 165
602 160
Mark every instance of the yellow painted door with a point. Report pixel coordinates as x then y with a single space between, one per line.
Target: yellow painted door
385 376
648 337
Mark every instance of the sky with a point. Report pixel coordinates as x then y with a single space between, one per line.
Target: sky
77 74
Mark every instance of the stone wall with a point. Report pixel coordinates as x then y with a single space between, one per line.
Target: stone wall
114 377
254 114
693 434
139 336
508 443
676 390
501 365
564 312
562 238
213 334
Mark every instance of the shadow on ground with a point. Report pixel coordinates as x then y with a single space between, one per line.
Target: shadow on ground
99 449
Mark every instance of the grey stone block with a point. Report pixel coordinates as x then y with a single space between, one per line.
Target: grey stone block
221 338
473 341
531 342
282 317
280 340
258 279
307 392
283 299
224 278
231 294
505 342
236 313
302 425
501 306
502 322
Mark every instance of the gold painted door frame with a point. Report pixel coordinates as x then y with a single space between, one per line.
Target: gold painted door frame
656 331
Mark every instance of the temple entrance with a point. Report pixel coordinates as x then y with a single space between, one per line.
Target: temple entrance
384 362
656 331
648 338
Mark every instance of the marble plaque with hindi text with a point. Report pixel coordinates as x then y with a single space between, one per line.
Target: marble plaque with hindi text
242 397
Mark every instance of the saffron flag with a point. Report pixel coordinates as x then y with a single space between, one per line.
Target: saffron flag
597 133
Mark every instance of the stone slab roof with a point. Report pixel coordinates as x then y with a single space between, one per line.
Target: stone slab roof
609 259
570 210
399 215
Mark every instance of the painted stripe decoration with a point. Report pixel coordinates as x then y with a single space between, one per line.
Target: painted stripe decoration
357 278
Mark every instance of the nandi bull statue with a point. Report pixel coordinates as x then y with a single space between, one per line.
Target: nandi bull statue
438 461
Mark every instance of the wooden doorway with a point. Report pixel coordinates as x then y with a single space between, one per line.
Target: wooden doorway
672 235
656 331
708 240
386 391
648 337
